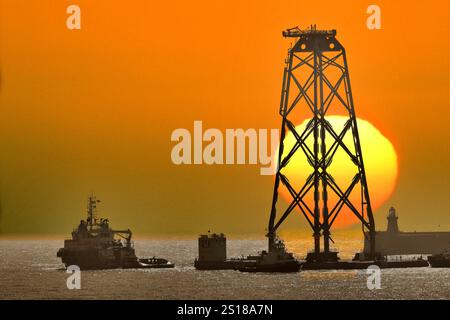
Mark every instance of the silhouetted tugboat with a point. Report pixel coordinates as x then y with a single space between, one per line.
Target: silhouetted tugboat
276 260
441 260
94 246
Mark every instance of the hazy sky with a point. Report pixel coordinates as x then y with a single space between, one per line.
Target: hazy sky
93 109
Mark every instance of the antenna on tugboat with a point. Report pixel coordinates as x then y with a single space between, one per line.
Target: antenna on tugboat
92 205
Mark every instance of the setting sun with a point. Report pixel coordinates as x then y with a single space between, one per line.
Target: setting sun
380 160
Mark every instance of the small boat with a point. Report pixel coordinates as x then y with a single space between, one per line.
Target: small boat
155 263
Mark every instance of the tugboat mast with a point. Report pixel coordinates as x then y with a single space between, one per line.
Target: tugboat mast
91 210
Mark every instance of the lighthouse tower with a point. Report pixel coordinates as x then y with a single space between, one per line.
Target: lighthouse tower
392 218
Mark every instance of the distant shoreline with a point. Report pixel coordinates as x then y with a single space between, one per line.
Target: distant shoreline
288 235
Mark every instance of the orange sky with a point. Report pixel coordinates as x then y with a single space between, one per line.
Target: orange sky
93 110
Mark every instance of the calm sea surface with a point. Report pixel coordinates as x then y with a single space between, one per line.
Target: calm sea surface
29 269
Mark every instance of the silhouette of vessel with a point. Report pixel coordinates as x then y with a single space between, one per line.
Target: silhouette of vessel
276 260
94 245
381 262
440 260
212 255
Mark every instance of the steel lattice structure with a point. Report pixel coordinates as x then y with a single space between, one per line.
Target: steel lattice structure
314 55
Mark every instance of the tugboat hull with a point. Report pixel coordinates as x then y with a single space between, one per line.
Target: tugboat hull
282 267
233 264
437 261
354 265
92 259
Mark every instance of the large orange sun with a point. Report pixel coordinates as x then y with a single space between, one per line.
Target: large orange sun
380 160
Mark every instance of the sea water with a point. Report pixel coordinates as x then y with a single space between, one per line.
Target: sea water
29 269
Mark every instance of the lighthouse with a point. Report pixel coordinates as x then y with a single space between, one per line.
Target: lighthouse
392 218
